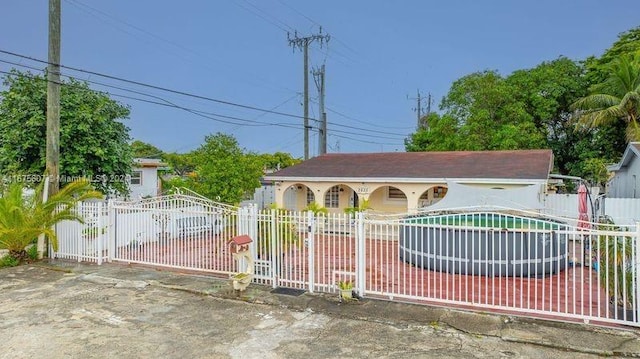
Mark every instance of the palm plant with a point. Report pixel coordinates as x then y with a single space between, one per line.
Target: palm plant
618 98
616 269
279 229
363 205
24 218
316 209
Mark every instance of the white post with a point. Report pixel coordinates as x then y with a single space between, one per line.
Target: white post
253 231
311 249
111 231
240 222
273 247
41 242
80 241
99 234
360 254
636 271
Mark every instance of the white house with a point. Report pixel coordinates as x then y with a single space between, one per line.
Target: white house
144 181
624 183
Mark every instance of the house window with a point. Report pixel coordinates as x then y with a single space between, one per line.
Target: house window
136 177
395 194
310 196
331 199
439 192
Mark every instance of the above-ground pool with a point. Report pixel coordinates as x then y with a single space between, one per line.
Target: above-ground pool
487 244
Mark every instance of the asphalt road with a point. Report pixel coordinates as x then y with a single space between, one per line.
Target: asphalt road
47 313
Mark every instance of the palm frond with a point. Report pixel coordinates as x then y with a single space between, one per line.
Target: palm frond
24 219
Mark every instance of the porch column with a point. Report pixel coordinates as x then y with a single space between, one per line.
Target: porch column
279 193
413 201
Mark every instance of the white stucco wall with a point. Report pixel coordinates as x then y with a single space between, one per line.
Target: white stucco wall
148 185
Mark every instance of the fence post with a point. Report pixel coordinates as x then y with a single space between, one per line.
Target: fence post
80 249
636 270
111 231
360 254
253 230
240 226
311 220
272 249
99 235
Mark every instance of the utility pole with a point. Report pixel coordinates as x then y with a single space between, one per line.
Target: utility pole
53 99
52 156
303 42
318 76
422 124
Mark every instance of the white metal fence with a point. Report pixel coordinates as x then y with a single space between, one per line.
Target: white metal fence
524 264
622 211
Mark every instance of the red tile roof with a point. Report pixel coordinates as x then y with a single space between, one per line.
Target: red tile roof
241 240
519 164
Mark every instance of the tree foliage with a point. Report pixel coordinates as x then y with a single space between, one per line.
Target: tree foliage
532 108
627 44
181 163
223 171
93 142
480 113
141 149
441 134
278 160
617 98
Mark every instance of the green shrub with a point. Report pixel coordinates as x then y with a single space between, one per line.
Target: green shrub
32 252
8 261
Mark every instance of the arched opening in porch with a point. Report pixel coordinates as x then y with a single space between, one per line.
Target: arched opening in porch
297 197
432 196
388 199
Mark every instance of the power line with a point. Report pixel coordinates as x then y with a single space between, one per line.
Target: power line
365 141
299 13
182 93
365 122
269 15
262 17
205 114
167 103
101 15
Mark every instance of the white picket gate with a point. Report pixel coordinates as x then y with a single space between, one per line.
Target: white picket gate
524 264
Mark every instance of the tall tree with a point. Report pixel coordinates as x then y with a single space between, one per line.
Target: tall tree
225 172
93 141
181 163
628 43
441 135
489 117
278 160
615 99
141 149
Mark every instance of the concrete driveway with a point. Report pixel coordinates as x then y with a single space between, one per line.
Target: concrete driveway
116 312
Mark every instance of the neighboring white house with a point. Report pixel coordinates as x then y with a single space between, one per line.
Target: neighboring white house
624 183
144 180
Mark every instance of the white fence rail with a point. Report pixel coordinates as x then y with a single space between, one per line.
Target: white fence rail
523 264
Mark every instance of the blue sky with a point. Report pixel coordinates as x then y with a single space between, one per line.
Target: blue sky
379 55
